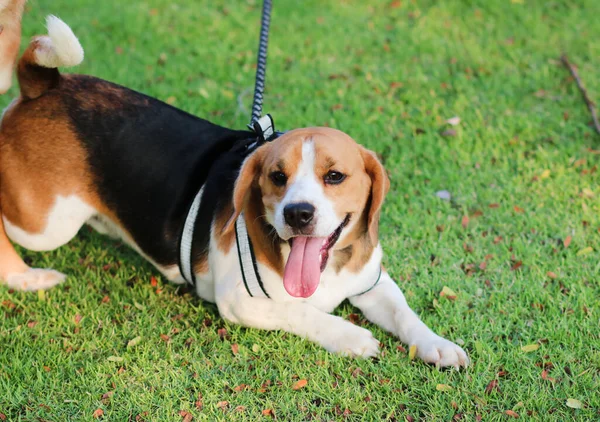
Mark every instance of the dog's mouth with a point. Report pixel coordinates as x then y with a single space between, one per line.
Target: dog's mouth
308 259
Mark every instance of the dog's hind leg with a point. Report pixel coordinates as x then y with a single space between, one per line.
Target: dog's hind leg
16 274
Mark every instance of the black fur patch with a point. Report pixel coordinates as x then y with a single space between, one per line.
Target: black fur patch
149 159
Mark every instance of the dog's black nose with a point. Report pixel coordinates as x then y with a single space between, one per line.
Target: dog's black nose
297 216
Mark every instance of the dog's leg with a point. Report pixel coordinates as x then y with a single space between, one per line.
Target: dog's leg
57 227
17 275
386 306
332 332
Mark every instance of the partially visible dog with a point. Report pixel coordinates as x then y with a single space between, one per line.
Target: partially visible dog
10 37
276 235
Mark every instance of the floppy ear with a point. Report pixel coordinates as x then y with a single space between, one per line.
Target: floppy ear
380 185
243 185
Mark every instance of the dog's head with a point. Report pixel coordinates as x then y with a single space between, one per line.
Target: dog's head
318 188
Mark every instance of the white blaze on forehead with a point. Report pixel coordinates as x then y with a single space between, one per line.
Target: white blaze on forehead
305 186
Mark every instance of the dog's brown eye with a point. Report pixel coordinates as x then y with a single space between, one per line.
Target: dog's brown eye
334 177
278 178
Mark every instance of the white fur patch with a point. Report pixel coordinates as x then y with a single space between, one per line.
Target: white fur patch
60 48
106 226
306 188
62 223
34 279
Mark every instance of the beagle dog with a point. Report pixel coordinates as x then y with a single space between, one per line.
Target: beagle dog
277 234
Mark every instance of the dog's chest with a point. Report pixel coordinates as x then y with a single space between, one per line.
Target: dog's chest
334 288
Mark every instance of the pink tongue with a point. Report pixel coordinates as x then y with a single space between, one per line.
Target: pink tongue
303 269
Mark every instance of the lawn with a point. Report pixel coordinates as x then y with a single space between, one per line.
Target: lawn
519 241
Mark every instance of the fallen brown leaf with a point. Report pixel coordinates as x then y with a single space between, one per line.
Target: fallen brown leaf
153 281
235 349
545 376
552 275
187 416
222 332
240 387
567 241
97 413
512 413
299 384
223 405
493 385
465 221
268 412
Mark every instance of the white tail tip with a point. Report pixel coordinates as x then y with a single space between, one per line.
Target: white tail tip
60 48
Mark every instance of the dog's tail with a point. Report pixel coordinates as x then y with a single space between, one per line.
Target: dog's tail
37 70
10 38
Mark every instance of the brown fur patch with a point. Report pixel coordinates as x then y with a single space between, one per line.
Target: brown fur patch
40 158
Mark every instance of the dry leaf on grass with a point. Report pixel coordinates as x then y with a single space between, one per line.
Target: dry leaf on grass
567 241
299 384
530 347
443 387
412 352
448 293
512 413
465 221
493 385
134 341
187 416
97 413
585 251
574 404
235 348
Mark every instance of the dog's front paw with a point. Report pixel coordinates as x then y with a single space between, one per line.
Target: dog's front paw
441 352
350 340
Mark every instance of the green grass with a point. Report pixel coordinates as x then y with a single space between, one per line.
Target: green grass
390 76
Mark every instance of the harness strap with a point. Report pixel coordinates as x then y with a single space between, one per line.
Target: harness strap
252 281
187 236
373 286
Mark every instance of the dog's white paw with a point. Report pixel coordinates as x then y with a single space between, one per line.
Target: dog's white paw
350 340
441 352
34 279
